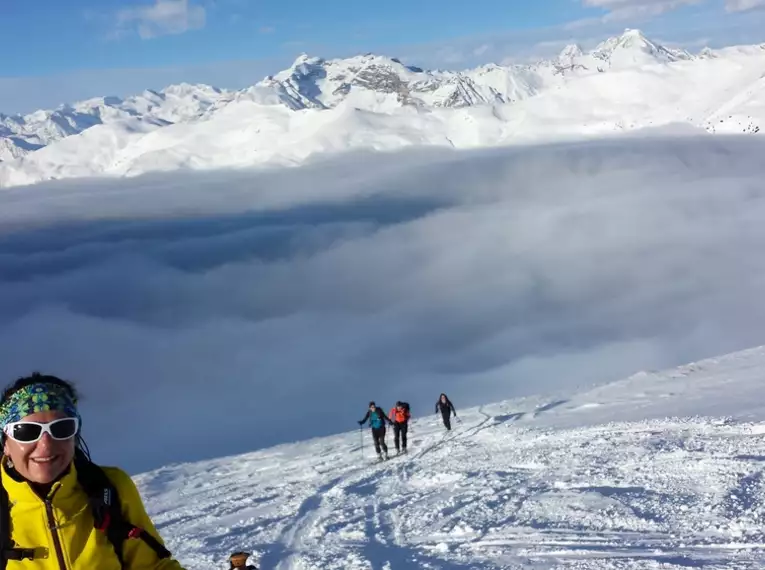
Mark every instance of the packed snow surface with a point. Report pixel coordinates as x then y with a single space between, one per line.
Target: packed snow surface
661 470
370 101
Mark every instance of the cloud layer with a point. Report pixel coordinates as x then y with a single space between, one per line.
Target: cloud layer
210 314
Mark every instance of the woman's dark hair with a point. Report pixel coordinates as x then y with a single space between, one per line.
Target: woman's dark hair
244 555
37 378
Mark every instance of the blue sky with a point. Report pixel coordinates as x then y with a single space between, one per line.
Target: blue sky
65 51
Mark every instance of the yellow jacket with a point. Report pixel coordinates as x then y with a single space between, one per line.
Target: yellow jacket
65 519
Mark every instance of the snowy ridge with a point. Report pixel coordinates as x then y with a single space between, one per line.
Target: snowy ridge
176 103
661 470
317 106
369 79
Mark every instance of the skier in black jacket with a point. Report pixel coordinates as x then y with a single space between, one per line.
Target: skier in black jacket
446 408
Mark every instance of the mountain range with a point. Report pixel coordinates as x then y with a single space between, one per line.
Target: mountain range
375 102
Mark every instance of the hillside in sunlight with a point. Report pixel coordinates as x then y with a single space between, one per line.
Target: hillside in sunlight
662 470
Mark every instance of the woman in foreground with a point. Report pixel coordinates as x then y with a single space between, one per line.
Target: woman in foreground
58 510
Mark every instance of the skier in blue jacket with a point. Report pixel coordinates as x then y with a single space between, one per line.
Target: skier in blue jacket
377 420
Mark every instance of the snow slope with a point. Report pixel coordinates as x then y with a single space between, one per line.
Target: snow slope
322 106
661 470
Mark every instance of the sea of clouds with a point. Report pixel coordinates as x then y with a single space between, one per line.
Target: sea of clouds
204 314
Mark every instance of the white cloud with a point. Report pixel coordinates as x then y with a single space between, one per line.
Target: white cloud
536 52
627 9
583 23
743 5
511 48
227 310
164 17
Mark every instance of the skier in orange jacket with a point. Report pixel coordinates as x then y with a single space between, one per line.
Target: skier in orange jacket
400 415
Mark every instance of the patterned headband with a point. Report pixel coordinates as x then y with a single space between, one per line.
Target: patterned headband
41 397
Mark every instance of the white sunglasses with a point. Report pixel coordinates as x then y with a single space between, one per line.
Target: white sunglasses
30 432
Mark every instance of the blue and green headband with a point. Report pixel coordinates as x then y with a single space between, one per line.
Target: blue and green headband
40 397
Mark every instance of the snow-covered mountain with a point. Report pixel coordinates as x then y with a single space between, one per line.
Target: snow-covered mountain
633 48
177 103
661 470
372 81
375 102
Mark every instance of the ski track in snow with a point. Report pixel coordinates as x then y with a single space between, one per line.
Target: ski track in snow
514 485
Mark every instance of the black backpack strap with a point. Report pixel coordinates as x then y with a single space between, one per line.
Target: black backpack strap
5 527
107 509
7 550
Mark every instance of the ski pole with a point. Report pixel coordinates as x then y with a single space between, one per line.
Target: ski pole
361 435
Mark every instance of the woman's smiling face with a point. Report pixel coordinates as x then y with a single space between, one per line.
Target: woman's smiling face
44 460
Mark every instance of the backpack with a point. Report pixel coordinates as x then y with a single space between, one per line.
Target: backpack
105 506
404 416
377 418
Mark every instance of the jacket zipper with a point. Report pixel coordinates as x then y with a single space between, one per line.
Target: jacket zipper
54 531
